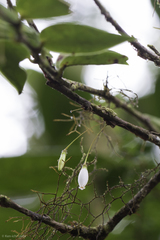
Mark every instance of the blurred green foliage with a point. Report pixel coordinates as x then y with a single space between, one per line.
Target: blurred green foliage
121 157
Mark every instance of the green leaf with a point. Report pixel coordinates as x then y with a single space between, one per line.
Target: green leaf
72 38
9 15
6 30
156 7
97 58
12 55
31 36
42 8
52 128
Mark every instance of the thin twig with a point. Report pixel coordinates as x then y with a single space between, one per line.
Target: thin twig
141 50
105 94
33 25
107 114
58 83
132 206
95 233
10 5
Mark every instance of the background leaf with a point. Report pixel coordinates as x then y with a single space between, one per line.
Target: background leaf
14 53
31 36
56 132
10 15
98 58
41 8
6 31
72 38
156 7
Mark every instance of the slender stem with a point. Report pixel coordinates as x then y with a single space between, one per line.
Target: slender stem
75 139
92 145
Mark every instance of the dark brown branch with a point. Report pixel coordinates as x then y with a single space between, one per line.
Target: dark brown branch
64 87
142 51
8 203
154 50
95 233
63 228
107 114
111 119
33 25
10 5
105 94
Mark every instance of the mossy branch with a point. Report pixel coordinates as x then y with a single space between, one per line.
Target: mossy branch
105 94
107 114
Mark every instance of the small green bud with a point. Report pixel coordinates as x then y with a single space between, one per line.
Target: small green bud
62 159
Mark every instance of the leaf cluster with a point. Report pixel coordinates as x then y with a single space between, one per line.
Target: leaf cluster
81 44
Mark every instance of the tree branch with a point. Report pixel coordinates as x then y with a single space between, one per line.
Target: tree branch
141 50
57 82
10 5
105 94
93 233
85 232
67 88
107 114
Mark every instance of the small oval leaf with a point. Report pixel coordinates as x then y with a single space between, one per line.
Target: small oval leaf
97 58
42 8
72 38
